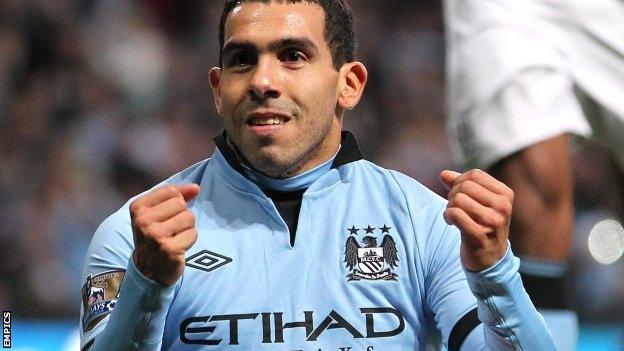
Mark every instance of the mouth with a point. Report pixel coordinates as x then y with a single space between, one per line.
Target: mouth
263 119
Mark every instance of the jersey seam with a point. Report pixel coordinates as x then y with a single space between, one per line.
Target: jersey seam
489 301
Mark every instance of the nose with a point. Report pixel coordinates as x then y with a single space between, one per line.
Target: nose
264 79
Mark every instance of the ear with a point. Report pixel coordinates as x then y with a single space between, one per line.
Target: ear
352 80
215 83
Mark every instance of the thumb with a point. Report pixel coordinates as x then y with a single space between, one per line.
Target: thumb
189 191
448 178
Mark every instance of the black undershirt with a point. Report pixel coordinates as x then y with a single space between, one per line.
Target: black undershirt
288 205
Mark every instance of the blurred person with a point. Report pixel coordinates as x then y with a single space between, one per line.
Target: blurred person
209 256
524 77
125 44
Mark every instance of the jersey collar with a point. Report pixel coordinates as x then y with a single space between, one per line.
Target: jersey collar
238 175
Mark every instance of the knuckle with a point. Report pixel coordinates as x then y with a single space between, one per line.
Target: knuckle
165 247
156 231
461 198
190 217
447 213
193 236
464 186
510 194
470 187
141 222
494 219
451 213
135 207
169 190
498 221
506 209
180 203
483 218
474 174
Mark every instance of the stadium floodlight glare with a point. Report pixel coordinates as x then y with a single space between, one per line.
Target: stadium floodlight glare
606 241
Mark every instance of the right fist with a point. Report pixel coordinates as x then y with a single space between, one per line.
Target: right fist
163 229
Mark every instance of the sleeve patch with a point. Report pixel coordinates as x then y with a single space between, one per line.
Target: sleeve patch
99 296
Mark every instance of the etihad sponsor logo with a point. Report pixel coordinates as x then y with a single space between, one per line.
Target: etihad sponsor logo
198 330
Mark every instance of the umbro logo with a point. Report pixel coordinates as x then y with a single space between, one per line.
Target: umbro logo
207 261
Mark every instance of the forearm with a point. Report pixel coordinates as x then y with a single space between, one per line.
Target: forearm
510 321
138 320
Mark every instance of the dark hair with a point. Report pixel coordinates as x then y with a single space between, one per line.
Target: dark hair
339 27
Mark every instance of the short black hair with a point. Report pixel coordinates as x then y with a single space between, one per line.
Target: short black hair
339 27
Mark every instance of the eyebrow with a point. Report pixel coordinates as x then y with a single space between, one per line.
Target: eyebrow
301 42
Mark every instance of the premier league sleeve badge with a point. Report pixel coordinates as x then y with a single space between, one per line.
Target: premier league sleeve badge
99 296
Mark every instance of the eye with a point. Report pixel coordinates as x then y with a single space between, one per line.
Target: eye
293 55
241 59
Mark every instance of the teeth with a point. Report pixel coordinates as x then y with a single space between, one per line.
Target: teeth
268 121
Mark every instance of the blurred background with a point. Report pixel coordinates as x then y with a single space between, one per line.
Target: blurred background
102 99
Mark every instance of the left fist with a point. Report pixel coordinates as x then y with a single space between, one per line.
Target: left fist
480 206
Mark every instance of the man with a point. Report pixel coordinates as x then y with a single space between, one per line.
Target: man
523 77
286 239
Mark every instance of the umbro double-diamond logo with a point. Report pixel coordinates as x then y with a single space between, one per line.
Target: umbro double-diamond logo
207 261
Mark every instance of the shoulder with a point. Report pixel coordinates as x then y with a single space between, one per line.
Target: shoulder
192 174
404 197
401 186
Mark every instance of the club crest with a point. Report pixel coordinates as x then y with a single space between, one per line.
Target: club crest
370 261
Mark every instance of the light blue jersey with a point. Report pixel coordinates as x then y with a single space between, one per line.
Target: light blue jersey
374 267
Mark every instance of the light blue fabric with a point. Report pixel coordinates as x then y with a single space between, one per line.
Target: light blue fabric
266 295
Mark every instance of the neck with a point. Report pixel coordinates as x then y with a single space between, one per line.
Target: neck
294 183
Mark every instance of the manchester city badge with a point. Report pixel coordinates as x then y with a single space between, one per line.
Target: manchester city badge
371 261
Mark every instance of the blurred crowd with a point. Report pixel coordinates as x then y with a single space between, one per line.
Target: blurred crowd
102 99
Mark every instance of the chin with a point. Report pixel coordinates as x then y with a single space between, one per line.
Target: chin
271 164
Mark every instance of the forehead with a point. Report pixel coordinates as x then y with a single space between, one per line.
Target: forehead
257 21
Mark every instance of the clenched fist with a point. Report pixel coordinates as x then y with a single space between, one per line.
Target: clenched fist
163 228
480 206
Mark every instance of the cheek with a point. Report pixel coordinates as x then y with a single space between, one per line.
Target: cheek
321 96
326 103
231 94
